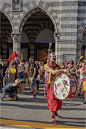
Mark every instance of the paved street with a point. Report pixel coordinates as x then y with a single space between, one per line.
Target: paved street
30 113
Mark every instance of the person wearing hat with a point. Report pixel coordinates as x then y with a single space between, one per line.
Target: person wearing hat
10 90
84 80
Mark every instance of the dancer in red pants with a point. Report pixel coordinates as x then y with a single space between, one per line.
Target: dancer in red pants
53 69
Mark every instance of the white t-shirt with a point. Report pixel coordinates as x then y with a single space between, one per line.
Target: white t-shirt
42 68
38 76
81 76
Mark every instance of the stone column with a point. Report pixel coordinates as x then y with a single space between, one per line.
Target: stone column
85 44
16 42
57 37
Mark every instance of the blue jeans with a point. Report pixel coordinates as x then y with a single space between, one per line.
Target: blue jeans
33 82
22 75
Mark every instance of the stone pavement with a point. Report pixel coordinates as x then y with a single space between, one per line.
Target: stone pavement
73 111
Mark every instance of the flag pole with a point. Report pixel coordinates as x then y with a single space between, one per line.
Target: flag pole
49 50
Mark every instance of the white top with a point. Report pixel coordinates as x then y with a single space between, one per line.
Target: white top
38 76
42 68
81 76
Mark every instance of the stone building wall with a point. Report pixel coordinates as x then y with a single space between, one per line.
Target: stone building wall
67 16
81 25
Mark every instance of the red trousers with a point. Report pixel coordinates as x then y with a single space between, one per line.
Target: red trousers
54 104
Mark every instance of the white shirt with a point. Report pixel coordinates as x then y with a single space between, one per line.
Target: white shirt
81 76
42 68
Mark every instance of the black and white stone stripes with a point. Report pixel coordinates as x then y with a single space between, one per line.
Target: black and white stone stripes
68 18
43 7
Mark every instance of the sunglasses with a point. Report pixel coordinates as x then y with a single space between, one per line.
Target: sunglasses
30 60
53 56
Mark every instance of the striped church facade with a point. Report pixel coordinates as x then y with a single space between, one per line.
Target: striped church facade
65 18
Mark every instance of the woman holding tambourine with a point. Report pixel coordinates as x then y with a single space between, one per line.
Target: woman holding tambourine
10 74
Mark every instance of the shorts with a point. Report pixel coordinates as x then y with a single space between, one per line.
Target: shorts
77 77
33 82
24 79
80 83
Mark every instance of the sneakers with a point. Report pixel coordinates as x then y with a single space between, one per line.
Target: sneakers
56 115
53 120
78 94
33 97
84 102
2 98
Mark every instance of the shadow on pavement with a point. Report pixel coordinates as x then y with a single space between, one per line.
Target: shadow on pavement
25 106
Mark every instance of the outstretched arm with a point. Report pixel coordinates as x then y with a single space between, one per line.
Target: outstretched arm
13 99
82 72
16 83
77 73
50 70
74 68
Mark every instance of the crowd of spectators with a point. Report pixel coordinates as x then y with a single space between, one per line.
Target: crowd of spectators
29 72
75 71
32 74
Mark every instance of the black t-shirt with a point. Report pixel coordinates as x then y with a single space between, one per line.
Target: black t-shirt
4 69
0 66
0 71
32 66
73 72
63 67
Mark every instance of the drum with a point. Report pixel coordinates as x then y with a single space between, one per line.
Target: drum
65 86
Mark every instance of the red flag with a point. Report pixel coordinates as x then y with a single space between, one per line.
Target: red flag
14 54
